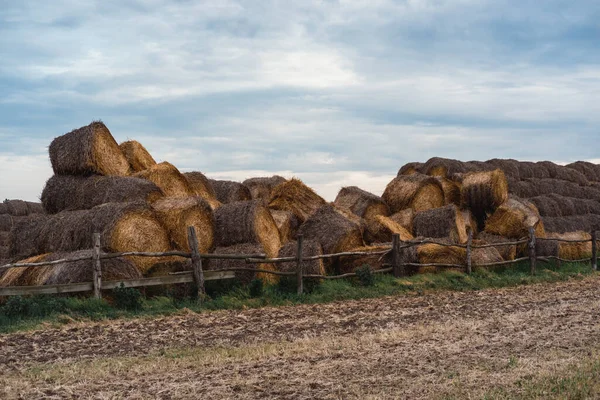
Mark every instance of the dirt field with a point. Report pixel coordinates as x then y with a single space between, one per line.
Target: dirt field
440 345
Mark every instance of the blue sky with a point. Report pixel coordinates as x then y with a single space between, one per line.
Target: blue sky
334 92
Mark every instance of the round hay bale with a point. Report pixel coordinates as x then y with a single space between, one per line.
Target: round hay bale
3 208
230 191
4 252
573 251
416 191
362 203
507 252
443 222
539 171
310 248
585 223
566 205
509 167
247 222
451 191
548 206
178 213
513 219
168 179
333 230
6 222
21 276
411 168
246 249
404 218
526 170
380 229
4 240
483 192
588 169
202 186
487 255
445 167
17 208
34 208
88 150
436 254
137 156
261 187
470 222
287 224
571 175
67 192
348 264
295 196
25 235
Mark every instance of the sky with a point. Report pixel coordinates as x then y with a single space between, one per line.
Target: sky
336 93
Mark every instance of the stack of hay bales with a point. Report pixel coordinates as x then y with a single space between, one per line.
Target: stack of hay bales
262 187
11 213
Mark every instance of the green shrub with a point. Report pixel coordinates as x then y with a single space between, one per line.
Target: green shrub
16 306
256 288
127 298
365 275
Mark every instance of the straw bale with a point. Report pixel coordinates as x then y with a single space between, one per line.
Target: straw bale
483 192
137 156
487 255
451 191
68 192
526 170
287 224
310 248
539 171
548 205
35 208
333 230
6 222
563 173
202 187
509 167
230 191
362 203
445 167
168 179
416 191
25 235
4 240
404 218
4 252
88 150
470 222
17 208
20 276
589 170
411 168
443 222
295 196
247 222
246 249
573 251
380 229
348 264
585 223
3 208
513 219
438 254
261 187
507 252
178 213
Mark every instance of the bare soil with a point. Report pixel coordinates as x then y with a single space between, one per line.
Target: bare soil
438 345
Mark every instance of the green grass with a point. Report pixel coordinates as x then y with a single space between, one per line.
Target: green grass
28 313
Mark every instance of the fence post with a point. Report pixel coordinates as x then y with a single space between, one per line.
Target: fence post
469 258
299 271
594 251
398 266
97 267
532 256
196 263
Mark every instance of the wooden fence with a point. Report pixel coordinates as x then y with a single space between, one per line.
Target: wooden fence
396 254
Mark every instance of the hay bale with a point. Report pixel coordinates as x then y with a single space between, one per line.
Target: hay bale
247 222
178 213
362 203
526 170
4 252
547 206
3 208
201 185
411 168
21 276
513 219
416 191
310 248
470 222
123 227
88 150
244 276
168 179
507 252
4 240
451 191
17 208
287 224
380 229
295 196
585 223
261 187
404 218
137 156
509 167
445 167
230 191
483 192
333 230
348 264
434 254
573 251
589 170
487 255
443 222
68 192
6 222
563 173
35 208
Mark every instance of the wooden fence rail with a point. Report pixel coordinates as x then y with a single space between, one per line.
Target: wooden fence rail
199 276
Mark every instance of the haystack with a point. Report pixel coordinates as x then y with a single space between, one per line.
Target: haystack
246 249
548 206
362 203
563 173
201 185
6 222
21 276
348 264
4 252
178 213
589 170
68 192
88 150
16 208
4 240
123 227
247 222
309 248
483 192
169 180
470 222
261 187
434 254
295 196
486 255
411 168
380 229
526 170
572 223
445 167
573 251
230 191
404 218
444 222
416 191
3 209
509 167
451 191
137 156
287 224
333 230
513 219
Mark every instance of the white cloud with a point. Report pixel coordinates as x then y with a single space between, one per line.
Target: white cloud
23 177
